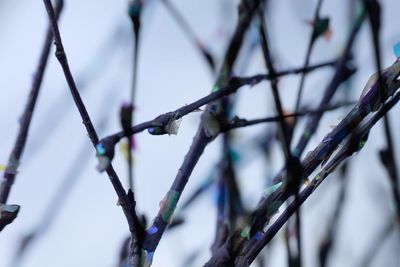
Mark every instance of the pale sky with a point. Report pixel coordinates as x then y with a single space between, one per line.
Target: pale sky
90 227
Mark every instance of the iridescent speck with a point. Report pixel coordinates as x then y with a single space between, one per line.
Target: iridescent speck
396 50
152 230
100 149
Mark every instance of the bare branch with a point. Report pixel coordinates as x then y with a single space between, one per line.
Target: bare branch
354 144
11 170
241 123
126 201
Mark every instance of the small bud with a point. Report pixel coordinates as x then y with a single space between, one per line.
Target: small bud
156 131
321 28
134 8
105 154
7 214
166 127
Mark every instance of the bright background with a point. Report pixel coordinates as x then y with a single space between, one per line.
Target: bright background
90 227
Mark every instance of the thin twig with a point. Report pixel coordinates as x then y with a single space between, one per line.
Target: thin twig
387 155
367 104
230 204
161 121
222 224
11 170
328 240
308 54
261 215
241 123
94 68
208 130
62 192
126 201
135 11
327 243
343 71
292 162
312 41
190 34
351 146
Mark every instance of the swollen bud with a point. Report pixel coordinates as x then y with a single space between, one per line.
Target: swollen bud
7 214
134 10
321 27
166 124
105 154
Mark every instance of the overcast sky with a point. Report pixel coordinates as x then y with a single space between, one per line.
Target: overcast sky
90 227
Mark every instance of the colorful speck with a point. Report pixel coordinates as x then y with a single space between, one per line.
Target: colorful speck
245 232
152 230
396 50
101 150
